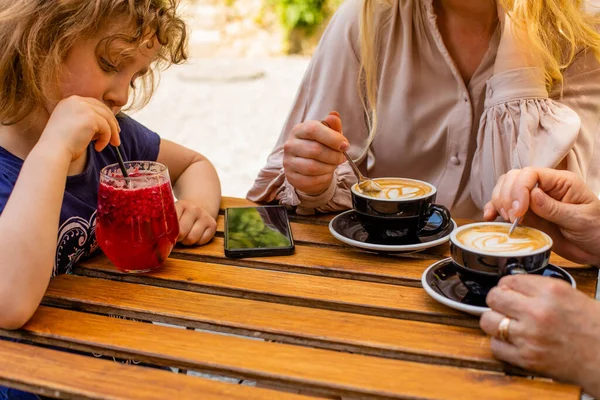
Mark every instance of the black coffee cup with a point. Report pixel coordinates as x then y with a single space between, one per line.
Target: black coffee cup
400 216
482 262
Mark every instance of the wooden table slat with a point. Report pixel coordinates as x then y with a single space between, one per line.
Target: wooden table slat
283 287
349 264
55 373
227 202
318 219
333 262
317 369
391 338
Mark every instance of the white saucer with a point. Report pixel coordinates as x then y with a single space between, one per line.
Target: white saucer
346 228
442 283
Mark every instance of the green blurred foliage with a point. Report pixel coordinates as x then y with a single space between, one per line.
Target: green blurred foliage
246 229
300 19
299 14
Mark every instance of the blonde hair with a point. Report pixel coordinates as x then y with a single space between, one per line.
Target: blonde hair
37 36
555 31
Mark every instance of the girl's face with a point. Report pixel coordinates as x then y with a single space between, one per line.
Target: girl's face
88 71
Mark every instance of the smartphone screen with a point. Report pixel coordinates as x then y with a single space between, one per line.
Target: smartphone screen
257 231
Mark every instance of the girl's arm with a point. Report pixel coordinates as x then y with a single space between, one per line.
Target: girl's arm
28 231
198 191
29 222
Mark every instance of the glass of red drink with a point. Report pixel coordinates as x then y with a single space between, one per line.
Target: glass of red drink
136 223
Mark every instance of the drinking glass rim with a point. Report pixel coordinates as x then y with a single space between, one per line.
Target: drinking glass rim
425 196
163 169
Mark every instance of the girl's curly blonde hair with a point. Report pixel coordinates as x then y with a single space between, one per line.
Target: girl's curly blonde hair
37 35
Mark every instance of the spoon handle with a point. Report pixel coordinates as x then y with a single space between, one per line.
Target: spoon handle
354 167
514 225
350 161
516 221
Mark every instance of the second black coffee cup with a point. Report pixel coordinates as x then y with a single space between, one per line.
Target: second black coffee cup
484 252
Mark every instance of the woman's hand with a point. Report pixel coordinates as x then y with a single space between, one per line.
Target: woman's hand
559 203
554 329
196 226
312 154
77 121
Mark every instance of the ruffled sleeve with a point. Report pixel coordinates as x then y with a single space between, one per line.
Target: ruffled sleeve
522 125
330 83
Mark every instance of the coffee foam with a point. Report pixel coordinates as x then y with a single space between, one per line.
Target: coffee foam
495 239
397 189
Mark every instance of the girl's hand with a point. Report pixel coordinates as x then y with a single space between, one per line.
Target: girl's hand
553 328
557 202
77 121
196 226
312 154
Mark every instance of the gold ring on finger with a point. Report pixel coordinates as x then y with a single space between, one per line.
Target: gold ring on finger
503 329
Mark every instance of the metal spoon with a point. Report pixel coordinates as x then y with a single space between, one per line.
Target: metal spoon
364 183
516 221
514 226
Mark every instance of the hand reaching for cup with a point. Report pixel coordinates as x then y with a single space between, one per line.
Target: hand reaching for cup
312 154
557 202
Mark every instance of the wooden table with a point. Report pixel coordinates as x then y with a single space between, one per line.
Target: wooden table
332 321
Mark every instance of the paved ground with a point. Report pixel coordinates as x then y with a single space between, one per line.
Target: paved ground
230 110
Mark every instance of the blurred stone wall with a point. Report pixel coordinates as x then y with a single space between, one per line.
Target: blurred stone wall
241 28
237 28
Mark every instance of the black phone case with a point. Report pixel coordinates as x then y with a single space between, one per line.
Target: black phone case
259 252
243 253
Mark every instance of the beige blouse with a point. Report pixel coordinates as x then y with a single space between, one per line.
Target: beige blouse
431 126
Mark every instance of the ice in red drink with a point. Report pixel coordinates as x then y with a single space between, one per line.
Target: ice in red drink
136 223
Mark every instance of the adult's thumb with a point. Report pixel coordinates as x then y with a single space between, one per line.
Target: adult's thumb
550 209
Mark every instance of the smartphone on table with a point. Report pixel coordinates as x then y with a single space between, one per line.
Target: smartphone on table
257 231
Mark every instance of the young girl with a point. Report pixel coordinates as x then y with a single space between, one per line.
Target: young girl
67 68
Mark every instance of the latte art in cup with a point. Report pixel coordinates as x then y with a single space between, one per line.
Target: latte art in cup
397 189
495 239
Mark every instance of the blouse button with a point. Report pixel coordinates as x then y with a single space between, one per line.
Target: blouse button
490 92
454 160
